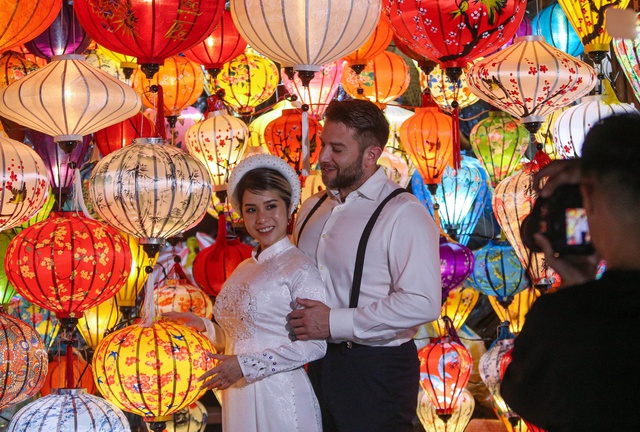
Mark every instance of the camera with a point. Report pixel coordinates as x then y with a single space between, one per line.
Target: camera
562 219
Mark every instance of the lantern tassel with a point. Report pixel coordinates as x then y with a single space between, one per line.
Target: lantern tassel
148 307
161 131
69 366
78 199
306 157
455 131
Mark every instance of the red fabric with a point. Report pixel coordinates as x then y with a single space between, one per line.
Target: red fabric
161 131
122 134
455 132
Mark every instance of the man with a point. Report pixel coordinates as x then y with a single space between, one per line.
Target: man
369 379
575 364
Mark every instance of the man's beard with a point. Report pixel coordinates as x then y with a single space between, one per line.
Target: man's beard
348 176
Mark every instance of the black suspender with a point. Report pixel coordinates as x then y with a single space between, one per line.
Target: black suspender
362 246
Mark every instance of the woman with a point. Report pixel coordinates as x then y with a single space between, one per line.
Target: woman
261 377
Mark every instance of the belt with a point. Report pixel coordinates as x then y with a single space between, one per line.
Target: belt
345 346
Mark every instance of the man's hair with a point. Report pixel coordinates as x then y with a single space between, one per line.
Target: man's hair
364 118
261 180
611 152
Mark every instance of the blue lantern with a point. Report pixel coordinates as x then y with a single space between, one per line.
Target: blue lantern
553 24
462 197
498 272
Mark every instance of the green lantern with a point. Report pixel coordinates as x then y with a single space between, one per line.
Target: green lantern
6 289
499 142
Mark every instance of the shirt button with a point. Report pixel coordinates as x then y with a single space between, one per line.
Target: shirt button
321 267
324 236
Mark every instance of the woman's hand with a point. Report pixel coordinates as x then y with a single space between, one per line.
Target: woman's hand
224 375
188 319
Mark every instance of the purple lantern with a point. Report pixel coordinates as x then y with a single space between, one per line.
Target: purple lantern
64 36
525 29
60 164
456 264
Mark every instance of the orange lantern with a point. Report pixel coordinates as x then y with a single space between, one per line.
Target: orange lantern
177 294
248 80
376 44
385 78
182 84
427 137
294 138
14 66
23 20
68 264
122 134
57 375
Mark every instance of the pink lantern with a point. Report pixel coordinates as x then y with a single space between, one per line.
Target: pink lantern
321 89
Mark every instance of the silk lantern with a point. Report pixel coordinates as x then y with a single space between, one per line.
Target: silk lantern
219 142
457 305
524 29
126 297
215 263
100 61
259 124
499 142
96 322
22 20
445 369
41 215
572 125
6 289
177 294
330 30
221 46
69 410
552 23
319 91
427 138
628 54
63 36
23 360
182 84
498 272
122 134
150 191
14 66
545 134
294 137
588 19
41 320
446 93
456 264
127 63
384 79
24 183
151 31
395 167
68 98
247 81
68 264
460 417
57 375
516 312
425 64
152 371
530 79
192 418
513 200
376 44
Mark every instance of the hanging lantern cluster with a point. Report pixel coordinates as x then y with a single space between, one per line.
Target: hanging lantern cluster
150 191
22 20
68 264
330 30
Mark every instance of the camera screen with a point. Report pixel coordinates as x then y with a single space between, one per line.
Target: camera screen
577 228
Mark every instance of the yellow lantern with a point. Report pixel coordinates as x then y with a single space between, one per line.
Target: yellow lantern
97 320
445 92
126 296
247 81
459 419
516 311
152 371
127 63
457 306
384 78
588 19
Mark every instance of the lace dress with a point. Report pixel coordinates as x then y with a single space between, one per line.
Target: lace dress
275 394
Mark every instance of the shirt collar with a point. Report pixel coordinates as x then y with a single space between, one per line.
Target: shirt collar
273 250
370 189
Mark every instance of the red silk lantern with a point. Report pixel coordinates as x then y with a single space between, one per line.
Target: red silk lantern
376 44
285 137
57 375
445 369
221 46
425 64
122 134
149 30
68 264
214 264
22 20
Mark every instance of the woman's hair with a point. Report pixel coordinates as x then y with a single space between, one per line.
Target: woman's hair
261 180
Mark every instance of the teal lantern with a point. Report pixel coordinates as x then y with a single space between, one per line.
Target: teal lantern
462 197
553 24
42 320
498 272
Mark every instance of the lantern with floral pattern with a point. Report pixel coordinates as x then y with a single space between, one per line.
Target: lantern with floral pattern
43 321
177 294
445 92
516 312
457 305
14 66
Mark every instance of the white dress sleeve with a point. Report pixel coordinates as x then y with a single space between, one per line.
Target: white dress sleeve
215 334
